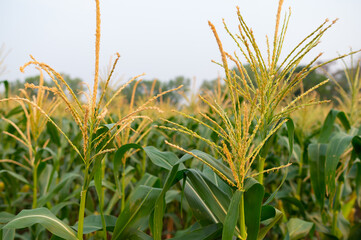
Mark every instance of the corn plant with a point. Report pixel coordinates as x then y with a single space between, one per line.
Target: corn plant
263 101
88 117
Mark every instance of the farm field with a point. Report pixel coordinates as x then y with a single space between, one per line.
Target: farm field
270 151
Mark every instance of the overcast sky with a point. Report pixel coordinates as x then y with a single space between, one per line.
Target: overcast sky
163 38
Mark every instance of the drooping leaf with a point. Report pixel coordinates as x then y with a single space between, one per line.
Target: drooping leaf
328 125
53 133
207 201
199 207
298 229
336 148
267 212
15 175
94 223
46 218
217 164
55 209
137 208
55 189
213 197
118 158
148 180
161 159
269 223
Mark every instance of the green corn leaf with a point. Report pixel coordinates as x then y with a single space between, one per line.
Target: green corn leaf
327 127
199 207
137 208
55 209
138 235
298 229
58 187
356 143
217 164
14 111
291 135
98 179
118 158
7 234
209 232
208 202
267 212
15 175
317 161
232 216
269 223
5 217
160 204
338 145
214 198
53 133
148 180
47 219
161 159
94 223
253 198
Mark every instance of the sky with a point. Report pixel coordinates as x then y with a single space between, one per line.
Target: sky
162 38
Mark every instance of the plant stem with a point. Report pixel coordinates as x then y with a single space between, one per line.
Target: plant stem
81 214
82 204
242 222
111 203
35 185
334 222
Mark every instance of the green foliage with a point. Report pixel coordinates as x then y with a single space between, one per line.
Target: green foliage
43 216
244 168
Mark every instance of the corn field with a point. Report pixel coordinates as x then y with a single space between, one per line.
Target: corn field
258 156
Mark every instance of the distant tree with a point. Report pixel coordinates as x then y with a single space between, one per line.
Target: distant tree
76 84
208 85
154 87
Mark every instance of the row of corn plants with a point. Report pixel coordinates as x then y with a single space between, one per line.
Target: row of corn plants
248 160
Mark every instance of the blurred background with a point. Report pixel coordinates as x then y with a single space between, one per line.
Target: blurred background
168 40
